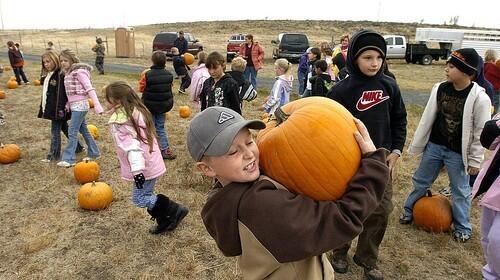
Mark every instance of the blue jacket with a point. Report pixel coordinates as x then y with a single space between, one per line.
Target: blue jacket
303 64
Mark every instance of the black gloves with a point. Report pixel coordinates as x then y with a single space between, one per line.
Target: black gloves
139 180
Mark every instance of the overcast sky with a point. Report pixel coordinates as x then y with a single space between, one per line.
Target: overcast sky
38 14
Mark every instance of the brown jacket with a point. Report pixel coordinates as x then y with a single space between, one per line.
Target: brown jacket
281 235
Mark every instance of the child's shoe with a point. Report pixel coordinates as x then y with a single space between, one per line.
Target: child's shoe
90 158
405 219
65 164
167 213
460 236
370 272
168 154
446 191
340 263
45 160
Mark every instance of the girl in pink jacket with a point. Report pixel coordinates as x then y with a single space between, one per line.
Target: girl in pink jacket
488 183
140 158
199 75
78 90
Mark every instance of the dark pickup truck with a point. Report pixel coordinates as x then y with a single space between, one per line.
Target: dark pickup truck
422 54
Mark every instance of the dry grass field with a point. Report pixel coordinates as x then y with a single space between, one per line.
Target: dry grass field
45 235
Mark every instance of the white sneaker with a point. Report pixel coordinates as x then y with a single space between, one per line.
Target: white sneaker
45 160
90 158
65 164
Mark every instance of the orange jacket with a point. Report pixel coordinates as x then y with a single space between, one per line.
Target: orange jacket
257 54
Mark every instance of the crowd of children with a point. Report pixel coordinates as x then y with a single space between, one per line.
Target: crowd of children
279 234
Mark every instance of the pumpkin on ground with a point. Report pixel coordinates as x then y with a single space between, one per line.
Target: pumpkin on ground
91 103
184 111
309 147
12 84
2 94
433 213
36 82
7 68
86 171
188 58
9 153
93 131
95 196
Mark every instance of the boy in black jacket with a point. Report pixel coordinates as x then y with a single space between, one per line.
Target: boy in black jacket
181 70
375 99
220 89
322 82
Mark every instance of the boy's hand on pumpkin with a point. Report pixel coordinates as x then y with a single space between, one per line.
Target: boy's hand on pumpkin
139 180
363 138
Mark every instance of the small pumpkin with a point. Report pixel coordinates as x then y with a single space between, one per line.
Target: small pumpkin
86 171
93 131
12 84
309 147
184 112
9 153
2 94
91 103
433 213
7 68
36 82
95 196
188 58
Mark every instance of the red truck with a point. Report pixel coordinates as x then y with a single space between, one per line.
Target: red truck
233 46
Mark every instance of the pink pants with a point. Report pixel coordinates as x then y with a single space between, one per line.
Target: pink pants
490 240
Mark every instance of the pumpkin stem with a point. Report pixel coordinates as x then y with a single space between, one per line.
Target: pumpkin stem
429 193
280 116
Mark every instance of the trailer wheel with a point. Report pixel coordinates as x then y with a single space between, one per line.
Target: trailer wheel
426 59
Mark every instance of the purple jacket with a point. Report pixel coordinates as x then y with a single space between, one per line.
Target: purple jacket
303 64
491 198
134 155
79 87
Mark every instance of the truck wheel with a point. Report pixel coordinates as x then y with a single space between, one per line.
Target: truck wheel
426 59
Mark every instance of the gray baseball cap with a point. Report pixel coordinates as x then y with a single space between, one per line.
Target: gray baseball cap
212 131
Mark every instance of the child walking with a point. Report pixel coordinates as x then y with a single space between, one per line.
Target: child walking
488 183
321 83
449 135
156 88
17 62
220 89
275 233
280 94
52 104
78 90
140 158
181 69
200 75
375 99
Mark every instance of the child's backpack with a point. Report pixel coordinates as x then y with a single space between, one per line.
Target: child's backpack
247 92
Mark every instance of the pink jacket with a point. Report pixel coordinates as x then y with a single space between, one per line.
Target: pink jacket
79 87
133 154
257 54
199 75
491 198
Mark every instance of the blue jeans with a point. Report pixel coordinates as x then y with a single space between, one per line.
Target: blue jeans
251 75
77 123
159 120
145 197
55 141
301 76
433 159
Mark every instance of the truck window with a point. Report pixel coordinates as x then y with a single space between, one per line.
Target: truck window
399 41
389 41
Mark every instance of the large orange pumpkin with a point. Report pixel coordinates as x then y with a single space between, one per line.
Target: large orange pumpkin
93 131
36 82
2 94
188 58
95 196
86 171
433 213
9 153
184 111
309 147
12 84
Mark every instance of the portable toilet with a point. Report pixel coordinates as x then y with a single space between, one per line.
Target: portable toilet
125 42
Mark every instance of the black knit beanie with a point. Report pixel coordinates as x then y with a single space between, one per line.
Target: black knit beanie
466 60
369 41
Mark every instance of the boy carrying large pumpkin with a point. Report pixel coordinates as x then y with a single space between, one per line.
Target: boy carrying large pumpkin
275 233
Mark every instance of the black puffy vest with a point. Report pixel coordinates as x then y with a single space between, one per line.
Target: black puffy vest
157 95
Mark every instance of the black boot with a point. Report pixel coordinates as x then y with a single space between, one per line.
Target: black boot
167 214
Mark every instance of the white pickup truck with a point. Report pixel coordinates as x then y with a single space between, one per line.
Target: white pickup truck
396 46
